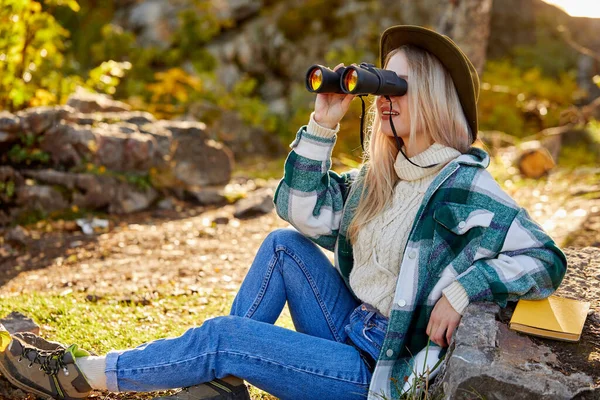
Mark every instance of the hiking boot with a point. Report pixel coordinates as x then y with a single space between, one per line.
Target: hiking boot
50 374
228 388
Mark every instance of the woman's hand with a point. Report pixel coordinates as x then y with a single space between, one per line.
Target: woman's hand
330 108
442 323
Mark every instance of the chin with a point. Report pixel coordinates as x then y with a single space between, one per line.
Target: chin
402 135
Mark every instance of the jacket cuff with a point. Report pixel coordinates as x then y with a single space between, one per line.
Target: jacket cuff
320 131
457 296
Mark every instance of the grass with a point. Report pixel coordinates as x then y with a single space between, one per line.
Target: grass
113 322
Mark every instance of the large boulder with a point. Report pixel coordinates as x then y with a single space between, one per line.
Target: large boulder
487 360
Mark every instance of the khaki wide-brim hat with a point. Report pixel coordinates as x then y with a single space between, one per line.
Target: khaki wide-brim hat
451 56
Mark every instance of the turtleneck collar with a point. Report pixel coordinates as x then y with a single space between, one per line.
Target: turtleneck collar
435 154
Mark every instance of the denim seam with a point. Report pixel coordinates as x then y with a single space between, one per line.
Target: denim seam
123 370
263 287
316 293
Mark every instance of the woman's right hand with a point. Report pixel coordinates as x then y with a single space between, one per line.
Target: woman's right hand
330 108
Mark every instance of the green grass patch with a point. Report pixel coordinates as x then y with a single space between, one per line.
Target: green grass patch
112 323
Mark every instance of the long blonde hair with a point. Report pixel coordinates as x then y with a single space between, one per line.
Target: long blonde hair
435 111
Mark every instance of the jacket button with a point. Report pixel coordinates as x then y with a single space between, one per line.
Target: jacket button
462 224
389 352
401 302
412 254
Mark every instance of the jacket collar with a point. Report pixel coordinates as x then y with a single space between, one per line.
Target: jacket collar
475 157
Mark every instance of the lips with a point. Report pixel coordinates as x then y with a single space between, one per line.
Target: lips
386 114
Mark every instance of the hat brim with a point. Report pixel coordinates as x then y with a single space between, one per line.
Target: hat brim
461 69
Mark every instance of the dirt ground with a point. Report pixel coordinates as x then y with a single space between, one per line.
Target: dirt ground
195 247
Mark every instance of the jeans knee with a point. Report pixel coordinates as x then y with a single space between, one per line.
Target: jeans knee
222 324
284 236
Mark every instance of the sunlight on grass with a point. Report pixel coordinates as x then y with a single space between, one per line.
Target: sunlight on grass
111 323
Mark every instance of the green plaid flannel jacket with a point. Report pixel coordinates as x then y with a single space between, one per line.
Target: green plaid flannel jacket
467 229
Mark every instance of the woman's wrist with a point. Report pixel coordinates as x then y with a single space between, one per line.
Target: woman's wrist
315 128
324 123
457 296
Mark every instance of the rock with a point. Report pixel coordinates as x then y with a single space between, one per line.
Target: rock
39 119
166 204
201 162
104 145
154 21
17 236
69 145
258 203
487 360
243 139
124 151
182 129
8 137
131 199
9 123
95 192
87 102
40 197
205 196
10 181
221 220
239 10
17 322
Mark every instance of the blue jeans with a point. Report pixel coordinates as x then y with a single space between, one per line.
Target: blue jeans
320 360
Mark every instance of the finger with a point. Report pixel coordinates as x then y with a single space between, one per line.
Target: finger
440 335
432 327
347 100
340 65
451 328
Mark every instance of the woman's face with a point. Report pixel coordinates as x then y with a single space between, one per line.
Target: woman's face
400 114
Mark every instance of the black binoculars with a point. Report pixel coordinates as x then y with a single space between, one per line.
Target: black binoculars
359 80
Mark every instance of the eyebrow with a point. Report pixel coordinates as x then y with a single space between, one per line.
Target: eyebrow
405 77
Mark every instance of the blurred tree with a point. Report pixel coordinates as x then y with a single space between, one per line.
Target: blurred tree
467 22
35 66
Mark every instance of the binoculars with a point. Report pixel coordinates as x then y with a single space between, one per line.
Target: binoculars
359 80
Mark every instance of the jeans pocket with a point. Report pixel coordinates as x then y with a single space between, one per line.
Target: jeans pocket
367 330
374 334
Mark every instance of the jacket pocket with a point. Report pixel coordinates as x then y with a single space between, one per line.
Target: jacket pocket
458 231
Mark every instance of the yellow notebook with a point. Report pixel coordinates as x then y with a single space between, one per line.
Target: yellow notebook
554 318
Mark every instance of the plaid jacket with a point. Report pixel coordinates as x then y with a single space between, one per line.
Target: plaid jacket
466 229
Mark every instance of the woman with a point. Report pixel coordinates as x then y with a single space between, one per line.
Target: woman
416 239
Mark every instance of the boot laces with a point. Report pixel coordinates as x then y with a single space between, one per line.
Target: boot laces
50 361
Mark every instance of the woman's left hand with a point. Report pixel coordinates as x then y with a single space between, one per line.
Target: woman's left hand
442 323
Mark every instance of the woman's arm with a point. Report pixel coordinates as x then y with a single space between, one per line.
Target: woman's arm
529 266
310 196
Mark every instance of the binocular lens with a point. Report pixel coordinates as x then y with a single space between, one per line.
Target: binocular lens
350 80
315 79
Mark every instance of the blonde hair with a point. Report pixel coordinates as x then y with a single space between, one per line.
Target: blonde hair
435 111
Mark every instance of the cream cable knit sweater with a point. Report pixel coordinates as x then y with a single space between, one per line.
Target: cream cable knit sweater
380 244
